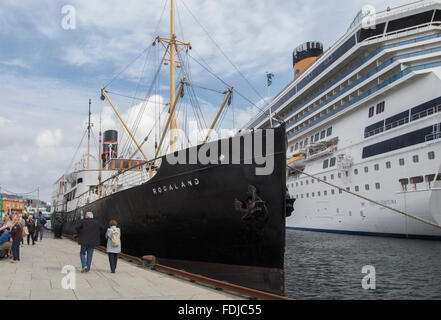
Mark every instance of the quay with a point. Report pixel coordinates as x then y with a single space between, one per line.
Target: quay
38 276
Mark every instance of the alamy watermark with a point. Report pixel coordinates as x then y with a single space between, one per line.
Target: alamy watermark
69 20
69 281
247 147
369 280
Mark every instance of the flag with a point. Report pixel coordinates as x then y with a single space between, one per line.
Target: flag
269 78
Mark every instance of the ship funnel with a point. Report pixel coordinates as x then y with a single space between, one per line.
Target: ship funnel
305 55
110 146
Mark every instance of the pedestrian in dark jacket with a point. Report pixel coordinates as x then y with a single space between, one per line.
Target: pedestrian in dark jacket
17 235
89 231
41 221
58 227
30 223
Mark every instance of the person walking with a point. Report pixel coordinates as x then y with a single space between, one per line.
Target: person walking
17 235
30 223
41 221
88 231
25 229
113 235
58 227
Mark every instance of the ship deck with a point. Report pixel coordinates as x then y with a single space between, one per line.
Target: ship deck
38 276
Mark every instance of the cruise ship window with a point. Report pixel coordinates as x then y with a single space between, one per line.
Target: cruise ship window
356 171
377 186
322 134
332 162
371 112
366 169
329 132
317 137
357 188
431 155
376 167
416 159
388 165
380 107
401 162
366 187
325 163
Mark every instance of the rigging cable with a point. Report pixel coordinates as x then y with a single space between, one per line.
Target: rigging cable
223 53
75 154
157 26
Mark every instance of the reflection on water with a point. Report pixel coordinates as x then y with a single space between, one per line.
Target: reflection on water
329 266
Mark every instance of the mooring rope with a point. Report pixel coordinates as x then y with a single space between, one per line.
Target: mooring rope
368 199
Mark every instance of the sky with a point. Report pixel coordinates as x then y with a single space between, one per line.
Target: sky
55 55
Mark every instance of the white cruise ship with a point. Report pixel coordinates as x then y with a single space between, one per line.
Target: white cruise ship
366 116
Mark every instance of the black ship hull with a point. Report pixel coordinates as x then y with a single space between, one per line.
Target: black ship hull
189 217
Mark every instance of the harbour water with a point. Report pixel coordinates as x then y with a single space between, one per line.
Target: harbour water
329 266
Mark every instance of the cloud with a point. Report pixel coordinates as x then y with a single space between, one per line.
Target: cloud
16 63
48 138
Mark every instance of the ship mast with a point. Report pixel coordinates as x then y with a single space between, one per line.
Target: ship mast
173 124
88 139
173 47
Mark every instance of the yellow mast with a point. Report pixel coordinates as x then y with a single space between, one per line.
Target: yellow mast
230 91
173 124
104 93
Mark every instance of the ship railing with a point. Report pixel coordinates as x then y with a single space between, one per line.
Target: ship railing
433 136
404 120
400 32
426 113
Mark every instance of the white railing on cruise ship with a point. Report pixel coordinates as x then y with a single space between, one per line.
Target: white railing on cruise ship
404 120
433 136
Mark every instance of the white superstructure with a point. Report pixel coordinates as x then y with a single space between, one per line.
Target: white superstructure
366 116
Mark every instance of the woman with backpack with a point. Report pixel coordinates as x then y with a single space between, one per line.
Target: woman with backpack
113 236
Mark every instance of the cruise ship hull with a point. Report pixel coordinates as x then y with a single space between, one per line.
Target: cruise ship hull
186 217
